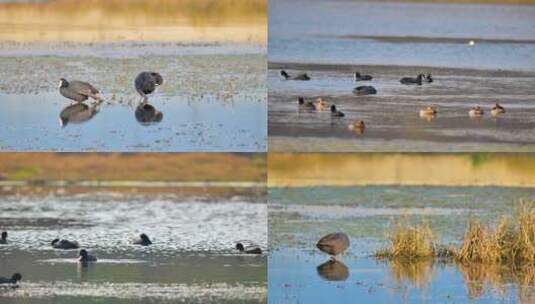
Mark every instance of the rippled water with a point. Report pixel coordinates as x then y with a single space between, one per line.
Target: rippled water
213 97
298 217
423 34
192 257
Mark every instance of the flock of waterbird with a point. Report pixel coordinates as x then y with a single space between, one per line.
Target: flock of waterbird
145 84
358 126
85 258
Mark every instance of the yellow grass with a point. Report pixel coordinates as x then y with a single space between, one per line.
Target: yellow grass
133 166
435 169
511 242
410 242
135 20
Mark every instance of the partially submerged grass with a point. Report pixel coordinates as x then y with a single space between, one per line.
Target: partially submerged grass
409 242
491 256
511 242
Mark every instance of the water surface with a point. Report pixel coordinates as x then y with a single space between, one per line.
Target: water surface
298 272
192 258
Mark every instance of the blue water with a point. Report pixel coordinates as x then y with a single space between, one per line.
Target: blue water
31 123
337 32
298 217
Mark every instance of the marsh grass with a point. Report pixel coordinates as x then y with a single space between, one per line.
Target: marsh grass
511 242
409 242
487 256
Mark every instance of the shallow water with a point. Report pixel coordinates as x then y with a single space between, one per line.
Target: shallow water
192 257
211 101
298 217
375 38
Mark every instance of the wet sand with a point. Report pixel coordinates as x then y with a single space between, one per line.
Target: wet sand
391 116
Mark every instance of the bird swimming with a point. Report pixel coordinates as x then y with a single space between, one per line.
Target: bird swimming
364 90
476 112
3 239
497 109
15 278
306 104
357 126
64 244
249 250
85 257
359 77
321 104
409 80
142 240
335 112
428 111
302 76
78 90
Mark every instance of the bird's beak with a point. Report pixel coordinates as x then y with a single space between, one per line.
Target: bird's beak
59 84
61 123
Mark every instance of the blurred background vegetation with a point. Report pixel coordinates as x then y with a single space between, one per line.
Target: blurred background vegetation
137 20
459 169
239 167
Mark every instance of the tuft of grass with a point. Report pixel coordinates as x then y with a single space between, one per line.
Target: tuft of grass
409 242
511 242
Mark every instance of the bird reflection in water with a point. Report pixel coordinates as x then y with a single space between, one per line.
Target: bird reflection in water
78 113
333 270
146 114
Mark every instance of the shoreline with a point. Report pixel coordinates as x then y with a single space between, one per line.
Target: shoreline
337 67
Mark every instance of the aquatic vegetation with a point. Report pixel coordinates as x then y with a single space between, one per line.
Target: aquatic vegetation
409 242
511 242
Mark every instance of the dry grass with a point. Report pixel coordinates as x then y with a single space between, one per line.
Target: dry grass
511 242
133 166
409 242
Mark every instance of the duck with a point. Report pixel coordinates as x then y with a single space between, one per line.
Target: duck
142 240
333 243
306 104
364 90
64 244
302 76
3 239
15 278
497 109
321 104
359 77
77 113
252 250
335 112
476 112
428 112
147 114
357 126
85 257
78 90
147 82
428 78
409 80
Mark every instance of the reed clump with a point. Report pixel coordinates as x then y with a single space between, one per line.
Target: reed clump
512 241
409 242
